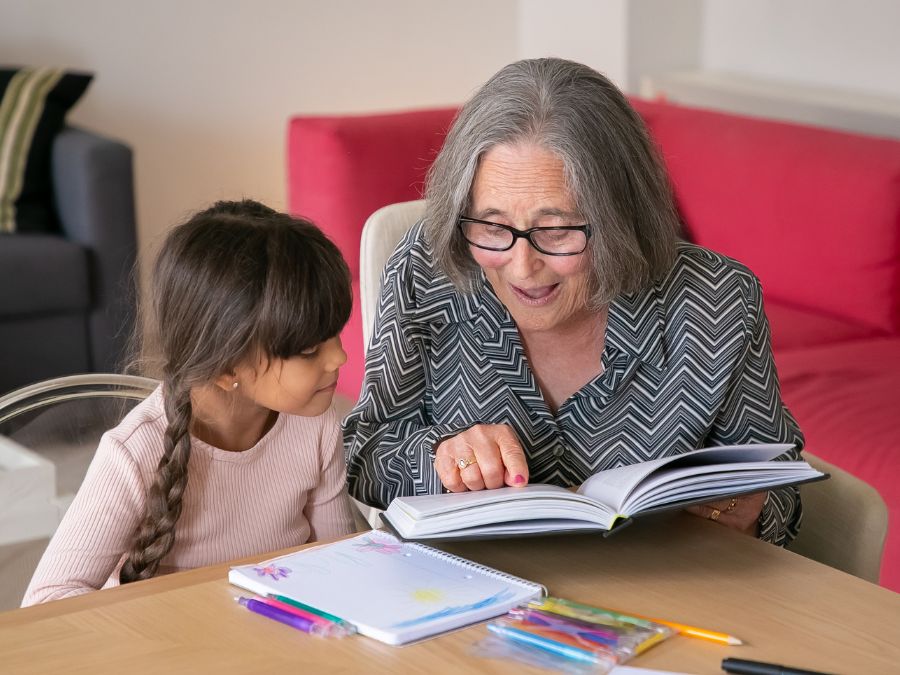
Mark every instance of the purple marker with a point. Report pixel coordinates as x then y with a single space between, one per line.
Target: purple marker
292 620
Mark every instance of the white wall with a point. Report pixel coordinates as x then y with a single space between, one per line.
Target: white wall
590 32
662 36
203 89
831 43
623 39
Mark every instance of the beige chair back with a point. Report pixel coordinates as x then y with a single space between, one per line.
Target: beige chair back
844 522
382 232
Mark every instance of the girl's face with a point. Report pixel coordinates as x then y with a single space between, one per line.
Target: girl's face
301 385
524 186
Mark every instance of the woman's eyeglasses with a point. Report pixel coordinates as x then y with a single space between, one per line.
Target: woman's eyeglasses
567 240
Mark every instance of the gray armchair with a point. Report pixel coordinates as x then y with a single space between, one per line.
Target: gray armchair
66 298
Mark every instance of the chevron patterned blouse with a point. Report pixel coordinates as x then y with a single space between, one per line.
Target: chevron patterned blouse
686 364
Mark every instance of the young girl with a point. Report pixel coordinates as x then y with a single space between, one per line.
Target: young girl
238 452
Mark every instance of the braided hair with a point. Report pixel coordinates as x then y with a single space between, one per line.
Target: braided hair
234 278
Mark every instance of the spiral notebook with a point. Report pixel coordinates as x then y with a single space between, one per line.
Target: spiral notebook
392 591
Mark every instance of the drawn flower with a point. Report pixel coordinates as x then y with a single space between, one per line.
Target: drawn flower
274 571
385 548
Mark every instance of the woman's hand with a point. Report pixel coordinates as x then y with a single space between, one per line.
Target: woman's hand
740 513
491 456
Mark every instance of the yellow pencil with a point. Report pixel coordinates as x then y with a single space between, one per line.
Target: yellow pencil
693 631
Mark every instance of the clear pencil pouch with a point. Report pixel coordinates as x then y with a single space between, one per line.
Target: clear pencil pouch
582 640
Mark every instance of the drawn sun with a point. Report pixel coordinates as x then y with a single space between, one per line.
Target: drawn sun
428 595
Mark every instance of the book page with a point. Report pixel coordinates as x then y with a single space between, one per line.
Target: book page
453 514
668 487
613 486
424 506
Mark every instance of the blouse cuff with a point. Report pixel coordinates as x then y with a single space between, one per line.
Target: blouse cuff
780 516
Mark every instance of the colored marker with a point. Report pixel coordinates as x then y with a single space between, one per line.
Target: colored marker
292 620
297 611
312 610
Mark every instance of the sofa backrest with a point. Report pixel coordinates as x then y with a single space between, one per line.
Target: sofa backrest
814 213
341 169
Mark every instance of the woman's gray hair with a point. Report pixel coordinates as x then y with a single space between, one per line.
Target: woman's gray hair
611 166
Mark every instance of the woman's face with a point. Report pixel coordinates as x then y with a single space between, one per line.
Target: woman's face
524 186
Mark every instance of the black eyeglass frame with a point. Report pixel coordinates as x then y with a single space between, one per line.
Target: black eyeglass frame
524 234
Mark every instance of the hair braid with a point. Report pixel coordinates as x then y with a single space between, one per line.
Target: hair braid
236 280
156 533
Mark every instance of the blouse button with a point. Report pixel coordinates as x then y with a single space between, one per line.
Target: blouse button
559 451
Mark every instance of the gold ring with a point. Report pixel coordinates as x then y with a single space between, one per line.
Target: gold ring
715 514
462 462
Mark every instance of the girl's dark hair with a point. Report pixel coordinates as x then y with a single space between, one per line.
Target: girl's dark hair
235 280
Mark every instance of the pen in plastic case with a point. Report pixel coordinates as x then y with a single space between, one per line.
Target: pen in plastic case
558 622
562 636
585 612
626 638
292 620
543 643
595 615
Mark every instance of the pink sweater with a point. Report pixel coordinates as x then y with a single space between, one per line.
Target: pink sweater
287 489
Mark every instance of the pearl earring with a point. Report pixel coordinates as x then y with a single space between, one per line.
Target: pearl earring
234 385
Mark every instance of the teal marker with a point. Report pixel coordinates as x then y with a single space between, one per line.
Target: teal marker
312 610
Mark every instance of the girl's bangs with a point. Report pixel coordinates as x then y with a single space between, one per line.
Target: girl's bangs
304 304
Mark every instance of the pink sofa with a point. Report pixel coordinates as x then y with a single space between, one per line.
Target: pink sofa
815 213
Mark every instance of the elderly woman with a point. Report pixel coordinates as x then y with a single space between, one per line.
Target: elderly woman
544 322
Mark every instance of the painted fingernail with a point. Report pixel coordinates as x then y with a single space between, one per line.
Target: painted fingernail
519 478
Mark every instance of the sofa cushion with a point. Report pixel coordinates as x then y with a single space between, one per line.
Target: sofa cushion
796 328
845 398
814 213
42 274
33 106
343 168
37 348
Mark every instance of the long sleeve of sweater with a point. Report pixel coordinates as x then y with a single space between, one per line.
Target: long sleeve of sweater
286 490
96 530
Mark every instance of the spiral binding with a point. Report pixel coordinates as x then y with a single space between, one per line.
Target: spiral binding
466 563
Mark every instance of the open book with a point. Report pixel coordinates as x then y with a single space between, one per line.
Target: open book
605 501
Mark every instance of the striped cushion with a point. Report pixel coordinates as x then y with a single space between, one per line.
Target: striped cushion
33 106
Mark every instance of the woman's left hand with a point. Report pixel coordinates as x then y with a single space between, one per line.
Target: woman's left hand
739 513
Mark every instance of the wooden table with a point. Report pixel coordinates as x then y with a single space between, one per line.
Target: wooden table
788 609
